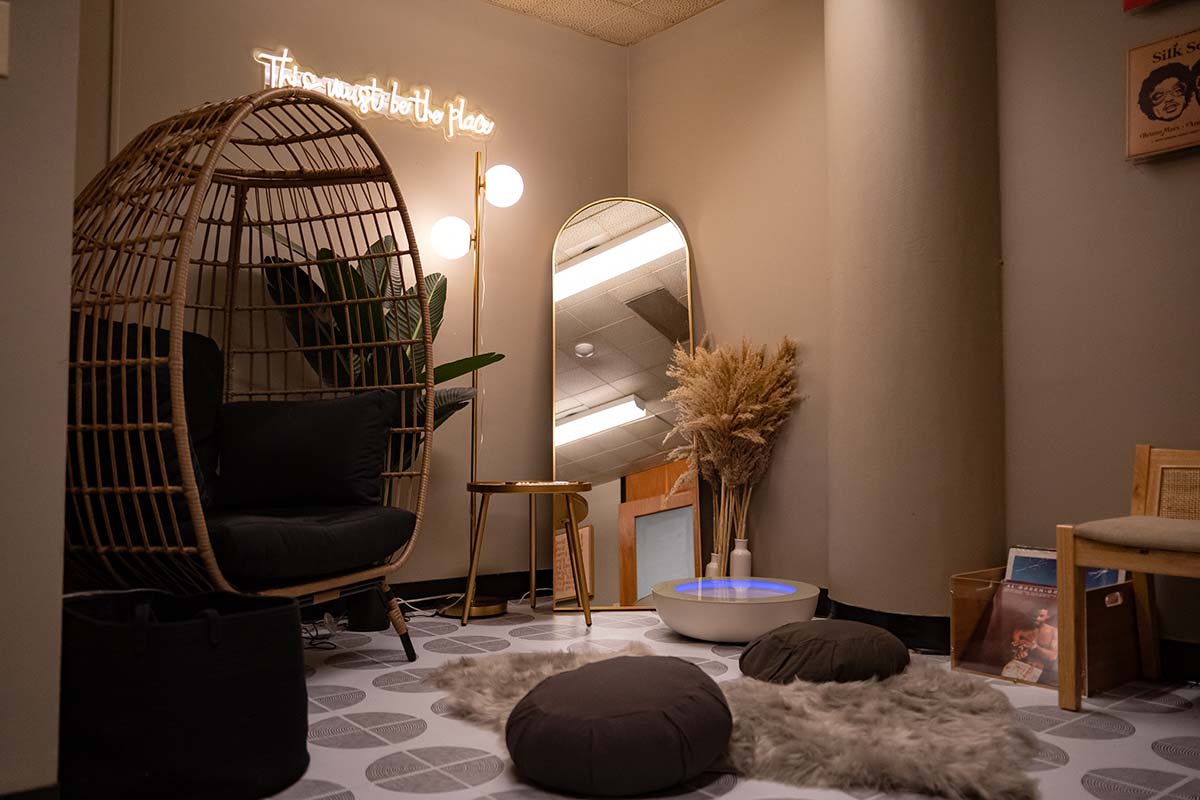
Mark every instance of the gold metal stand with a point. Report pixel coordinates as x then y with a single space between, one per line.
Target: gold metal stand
576 510
480 606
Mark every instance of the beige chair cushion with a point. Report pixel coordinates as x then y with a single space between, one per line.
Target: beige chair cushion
1156 533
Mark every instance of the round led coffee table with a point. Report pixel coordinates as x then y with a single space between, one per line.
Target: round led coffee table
732 609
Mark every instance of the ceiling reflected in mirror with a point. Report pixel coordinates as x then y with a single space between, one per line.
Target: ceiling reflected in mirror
621 303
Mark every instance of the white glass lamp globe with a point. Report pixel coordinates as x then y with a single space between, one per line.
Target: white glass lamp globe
451 237
504 185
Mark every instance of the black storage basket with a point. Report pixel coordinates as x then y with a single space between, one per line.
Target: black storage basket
181 697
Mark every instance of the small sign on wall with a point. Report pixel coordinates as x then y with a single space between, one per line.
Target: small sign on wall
1163 96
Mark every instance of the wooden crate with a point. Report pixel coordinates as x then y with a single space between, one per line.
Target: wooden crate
1112 643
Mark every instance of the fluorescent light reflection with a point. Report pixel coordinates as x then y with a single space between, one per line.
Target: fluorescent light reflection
606 417
617 260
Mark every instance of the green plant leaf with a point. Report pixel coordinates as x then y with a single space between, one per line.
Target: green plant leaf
456 369
307 326
452 398
289 244
358 323
376 270
404 320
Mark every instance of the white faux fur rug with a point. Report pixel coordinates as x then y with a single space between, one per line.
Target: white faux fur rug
926 731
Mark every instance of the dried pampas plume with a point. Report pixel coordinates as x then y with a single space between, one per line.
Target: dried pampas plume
731 403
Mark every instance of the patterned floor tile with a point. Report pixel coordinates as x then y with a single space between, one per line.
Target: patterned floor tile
368 729
322 699
429 770
379 728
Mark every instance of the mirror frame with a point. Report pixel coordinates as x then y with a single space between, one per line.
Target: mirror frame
687 254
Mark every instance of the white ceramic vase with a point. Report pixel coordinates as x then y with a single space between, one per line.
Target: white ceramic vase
713 570
739 559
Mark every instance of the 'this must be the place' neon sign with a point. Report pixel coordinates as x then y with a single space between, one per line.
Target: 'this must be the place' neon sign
372 99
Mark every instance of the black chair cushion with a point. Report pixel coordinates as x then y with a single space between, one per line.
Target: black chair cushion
261 548
620 727
305 452
824 650
203 373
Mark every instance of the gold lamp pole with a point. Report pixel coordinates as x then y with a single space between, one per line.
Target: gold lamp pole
476 264
511 192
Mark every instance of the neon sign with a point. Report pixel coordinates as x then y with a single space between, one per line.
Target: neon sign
413 105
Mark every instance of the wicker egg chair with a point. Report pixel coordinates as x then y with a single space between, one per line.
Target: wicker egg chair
252 250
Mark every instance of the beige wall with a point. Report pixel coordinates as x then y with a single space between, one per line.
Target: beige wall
95 74
722 121
37 138
727 133
1101 274
559 99
916 480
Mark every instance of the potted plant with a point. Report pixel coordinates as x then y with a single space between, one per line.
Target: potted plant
731 403
302 294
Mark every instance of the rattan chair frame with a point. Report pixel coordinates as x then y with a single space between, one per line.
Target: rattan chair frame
178 233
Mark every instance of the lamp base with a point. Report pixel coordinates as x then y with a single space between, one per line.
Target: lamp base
483 607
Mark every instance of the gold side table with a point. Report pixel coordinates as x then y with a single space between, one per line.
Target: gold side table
576 509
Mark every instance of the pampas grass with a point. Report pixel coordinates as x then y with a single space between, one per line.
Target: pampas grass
731 403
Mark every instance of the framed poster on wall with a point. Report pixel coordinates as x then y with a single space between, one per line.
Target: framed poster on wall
564 580
1162 109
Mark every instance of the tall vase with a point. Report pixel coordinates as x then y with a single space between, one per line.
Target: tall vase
713 570
739 559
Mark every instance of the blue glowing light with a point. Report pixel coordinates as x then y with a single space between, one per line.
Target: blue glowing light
734 588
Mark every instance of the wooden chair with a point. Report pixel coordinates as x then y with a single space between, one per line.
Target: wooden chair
1161 535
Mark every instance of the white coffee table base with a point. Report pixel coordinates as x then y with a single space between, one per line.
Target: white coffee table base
732 609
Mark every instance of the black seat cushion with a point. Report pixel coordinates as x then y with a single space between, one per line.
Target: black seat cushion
295 453
619 727
824 650
203 372
123 390
259 548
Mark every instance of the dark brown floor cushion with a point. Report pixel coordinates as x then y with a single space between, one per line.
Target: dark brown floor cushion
824 650
620 727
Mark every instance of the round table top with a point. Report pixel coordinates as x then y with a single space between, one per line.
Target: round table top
528 487
736 590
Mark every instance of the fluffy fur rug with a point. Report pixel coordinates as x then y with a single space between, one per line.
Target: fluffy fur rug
926 731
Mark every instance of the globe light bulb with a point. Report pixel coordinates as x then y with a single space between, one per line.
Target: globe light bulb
451 237
504 185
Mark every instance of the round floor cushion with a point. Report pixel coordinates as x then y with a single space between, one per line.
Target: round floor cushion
619 727
824 650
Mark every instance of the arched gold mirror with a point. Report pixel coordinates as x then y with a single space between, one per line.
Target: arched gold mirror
622 300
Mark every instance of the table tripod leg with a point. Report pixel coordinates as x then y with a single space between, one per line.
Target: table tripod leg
476 548
532 551
575 548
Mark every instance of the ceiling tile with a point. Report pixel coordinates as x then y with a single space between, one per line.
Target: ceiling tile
575 381
612 367
524 6
581 15
567 327
601 311
675 10
630 332
654 353
629 27
598 396
622 22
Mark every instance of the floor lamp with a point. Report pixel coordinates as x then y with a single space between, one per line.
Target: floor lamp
453 238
